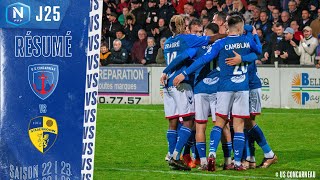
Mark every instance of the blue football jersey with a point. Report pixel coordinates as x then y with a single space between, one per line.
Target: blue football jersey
232 78
254 80
206 78
176 45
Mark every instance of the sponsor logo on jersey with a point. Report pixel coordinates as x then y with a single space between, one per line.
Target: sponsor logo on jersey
238 79
211 81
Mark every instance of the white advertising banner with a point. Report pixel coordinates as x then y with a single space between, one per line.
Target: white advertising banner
270 79
156 88
300 88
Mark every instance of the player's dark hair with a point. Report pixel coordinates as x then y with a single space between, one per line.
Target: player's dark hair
222 16
234 20
213 27
195 22
237 14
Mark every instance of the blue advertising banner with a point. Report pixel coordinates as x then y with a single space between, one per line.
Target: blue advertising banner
123 80
49 54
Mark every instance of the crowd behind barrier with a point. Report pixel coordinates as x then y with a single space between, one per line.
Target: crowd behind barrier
288 29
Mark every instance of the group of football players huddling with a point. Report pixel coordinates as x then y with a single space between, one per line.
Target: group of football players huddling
211 71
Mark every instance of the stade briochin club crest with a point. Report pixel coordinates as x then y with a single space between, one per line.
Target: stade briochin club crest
43 79
43 132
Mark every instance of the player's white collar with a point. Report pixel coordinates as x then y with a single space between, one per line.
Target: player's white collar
236 35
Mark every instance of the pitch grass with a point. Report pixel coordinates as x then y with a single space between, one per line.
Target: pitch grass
131 144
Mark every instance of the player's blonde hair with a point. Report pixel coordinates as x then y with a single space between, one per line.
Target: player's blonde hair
177 25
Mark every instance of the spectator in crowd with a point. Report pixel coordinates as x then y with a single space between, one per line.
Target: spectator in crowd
199 5
139 12
287 52
249 12
276 16
285 18
160 56
265 25
109 4
255 20
179 5
139 47
121 5
161 31
305 21
166 10
295 26
189 10
118 54
313 6
150 53
307 47
294 13
264 44
238 6
125 43
152 16
121 18
273 53
131 28
210 9
228 6
220 19
271 5
111 28
104 54
315 25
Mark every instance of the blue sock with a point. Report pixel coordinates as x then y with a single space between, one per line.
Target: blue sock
238 146
227 148
172 140
246 150
258 135
215 137
183 137
202 149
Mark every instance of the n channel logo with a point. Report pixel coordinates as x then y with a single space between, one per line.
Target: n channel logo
305 89
18 14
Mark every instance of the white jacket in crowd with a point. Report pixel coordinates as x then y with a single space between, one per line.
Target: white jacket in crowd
307 50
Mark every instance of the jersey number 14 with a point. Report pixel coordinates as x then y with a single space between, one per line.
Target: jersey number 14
171 57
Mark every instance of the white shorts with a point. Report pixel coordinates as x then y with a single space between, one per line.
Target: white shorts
236 102
178 102
255 101
205 104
